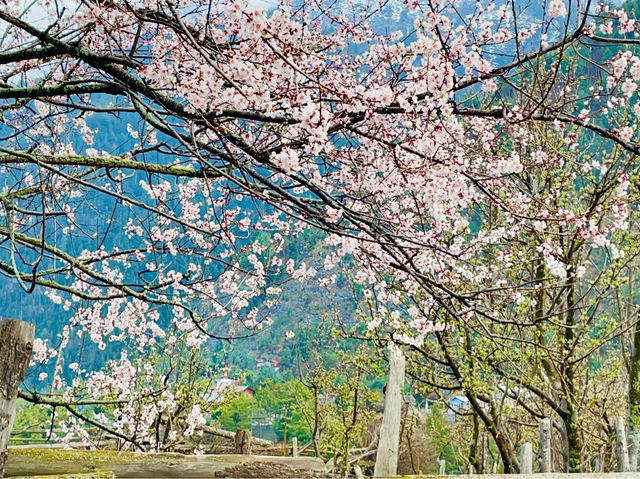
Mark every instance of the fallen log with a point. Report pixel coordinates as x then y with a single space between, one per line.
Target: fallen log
232 435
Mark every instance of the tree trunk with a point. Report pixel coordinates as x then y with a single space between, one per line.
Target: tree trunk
492 422
473 447
570 418
507 453
573 440
16 345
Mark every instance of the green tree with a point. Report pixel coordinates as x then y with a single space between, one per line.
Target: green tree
288 401
236 413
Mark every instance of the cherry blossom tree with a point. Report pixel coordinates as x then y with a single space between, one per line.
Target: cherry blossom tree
556 343
245 127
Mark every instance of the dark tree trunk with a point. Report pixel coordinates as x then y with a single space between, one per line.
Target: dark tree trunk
634 390
473 448
570 417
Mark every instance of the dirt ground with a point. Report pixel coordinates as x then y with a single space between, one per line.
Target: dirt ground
266 470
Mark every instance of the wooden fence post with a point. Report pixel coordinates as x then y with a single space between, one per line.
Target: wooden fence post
544 445
294 447
243 442
526 458
599 464
16 345
634 444
622 453
389 443
443 467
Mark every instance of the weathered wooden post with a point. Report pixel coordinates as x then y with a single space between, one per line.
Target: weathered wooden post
526 458
443 467
294 447
634 445
389 443
599 464
485 454
544 445
622 454
16 345
243 441
285 449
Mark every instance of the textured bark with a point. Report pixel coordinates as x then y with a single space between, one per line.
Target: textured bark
507 452
474 463
16 345
570 416
573 440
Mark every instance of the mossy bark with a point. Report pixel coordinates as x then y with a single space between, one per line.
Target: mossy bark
573 441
